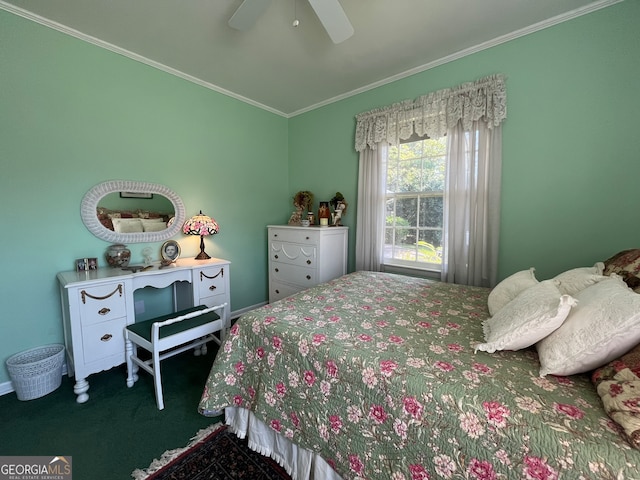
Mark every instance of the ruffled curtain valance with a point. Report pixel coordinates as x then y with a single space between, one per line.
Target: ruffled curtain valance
435 113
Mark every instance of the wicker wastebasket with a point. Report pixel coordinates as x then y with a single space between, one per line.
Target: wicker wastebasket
36 372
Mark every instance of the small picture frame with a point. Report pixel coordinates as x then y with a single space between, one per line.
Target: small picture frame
170 250
82 264
145 195
86 264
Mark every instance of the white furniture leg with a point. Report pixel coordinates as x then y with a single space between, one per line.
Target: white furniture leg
80 389
157 380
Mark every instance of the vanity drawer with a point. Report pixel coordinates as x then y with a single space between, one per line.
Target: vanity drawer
100 303
305 236
211 281
213 300
294 254
303 276
102 340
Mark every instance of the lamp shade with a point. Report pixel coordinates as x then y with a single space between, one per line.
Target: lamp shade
201 225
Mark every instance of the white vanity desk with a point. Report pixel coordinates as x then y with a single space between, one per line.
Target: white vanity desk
97 304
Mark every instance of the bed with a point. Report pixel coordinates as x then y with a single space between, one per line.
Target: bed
132 221
378 376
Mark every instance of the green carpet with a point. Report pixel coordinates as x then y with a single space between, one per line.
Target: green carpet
119 429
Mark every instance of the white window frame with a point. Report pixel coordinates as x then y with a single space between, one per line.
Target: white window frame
418 195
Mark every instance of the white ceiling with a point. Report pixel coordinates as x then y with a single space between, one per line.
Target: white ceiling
289 70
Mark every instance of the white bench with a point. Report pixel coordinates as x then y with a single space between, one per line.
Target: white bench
169 335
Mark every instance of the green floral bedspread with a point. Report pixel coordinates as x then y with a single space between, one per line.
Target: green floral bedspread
377 373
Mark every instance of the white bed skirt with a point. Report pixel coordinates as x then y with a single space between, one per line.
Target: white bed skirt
299 462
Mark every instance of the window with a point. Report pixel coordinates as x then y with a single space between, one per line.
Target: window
414 203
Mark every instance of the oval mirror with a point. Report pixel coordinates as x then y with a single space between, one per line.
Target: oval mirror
123 211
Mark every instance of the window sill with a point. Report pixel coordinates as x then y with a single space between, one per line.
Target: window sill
413 271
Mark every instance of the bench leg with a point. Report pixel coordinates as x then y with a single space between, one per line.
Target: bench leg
200 350
157 380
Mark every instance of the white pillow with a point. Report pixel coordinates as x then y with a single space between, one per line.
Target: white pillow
154 227
153 224
530 317
126 225
509 288
604 325
577 279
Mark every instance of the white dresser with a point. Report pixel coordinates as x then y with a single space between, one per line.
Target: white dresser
301 257
97 304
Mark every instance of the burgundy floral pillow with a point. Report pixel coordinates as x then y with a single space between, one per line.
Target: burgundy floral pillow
618 385
627 265
107 223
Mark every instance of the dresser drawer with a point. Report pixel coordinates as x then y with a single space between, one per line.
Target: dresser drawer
303 276
294 254
100 303
211 281
104 339
278 291
305 236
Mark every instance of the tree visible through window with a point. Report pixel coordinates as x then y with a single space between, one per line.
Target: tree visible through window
414 203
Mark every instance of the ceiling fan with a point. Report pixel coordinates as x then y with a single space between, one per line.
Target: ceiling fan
329 12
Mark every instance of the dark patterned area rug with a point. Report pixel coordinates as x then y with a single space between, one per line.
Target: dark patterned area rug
214 453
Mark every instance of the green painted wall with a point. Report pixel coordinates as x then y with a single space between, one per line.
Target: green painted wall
570 158
73 115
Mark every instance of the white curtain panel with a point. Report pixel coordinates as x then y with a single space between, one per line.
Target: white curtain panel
472 205
371 209
471 116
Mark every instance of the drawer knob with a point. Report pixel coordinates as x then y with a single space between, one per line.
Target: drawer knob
308 277
276 257
277 291
275 234
307 238
104 311
212 288
308 262
277 270
106 337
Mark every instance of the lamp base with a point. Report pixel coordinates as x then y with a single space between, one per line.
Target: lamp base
202 255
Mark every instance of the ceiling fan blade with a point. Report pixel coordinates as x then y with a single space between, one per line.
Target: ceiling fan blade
248 13
333 19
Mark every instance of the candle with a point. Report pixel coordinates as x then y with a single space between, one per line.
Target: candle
324 222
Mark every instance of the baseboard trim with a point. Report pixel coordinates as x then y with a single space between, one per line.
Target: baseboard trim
242 311
7 387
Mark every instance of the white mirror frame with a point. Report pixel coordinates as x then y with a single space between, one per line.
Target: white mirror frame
89 206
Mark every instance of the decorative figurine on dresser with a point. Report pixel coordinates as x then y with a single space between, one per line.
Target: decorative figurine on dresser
339 206
301 257
303 200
